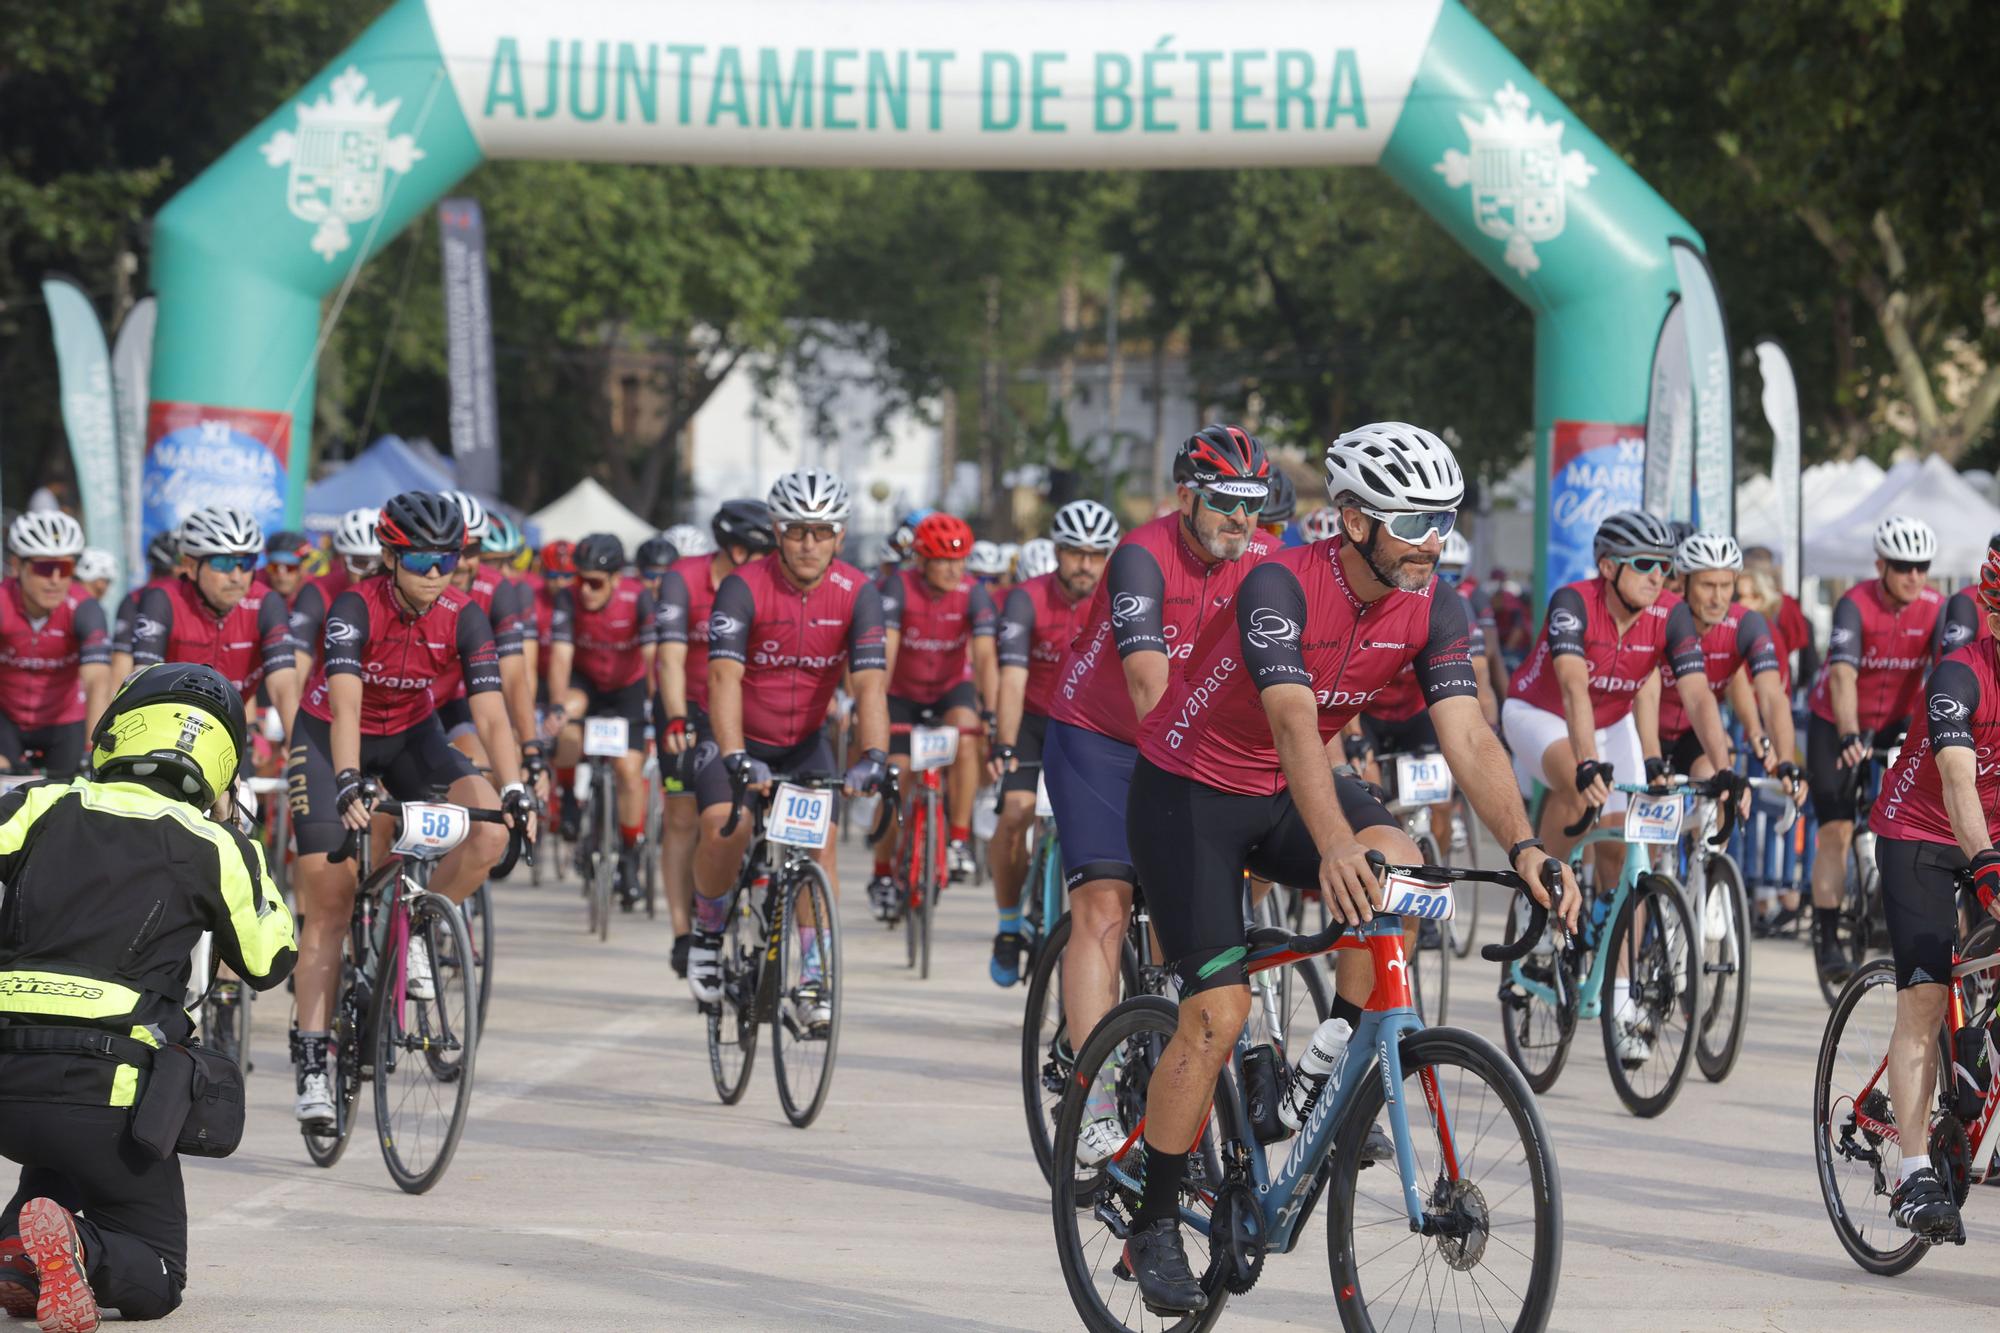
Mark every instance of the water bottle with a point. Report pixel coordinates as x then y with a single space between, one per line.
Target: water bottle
1324 1053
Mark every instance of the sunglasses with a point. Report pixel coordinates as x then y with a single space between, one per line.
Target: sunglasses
231 564
596 582
284 560
429 562
558 575
1647 564
1221 502
809 532
1415 528
1908 566
52 569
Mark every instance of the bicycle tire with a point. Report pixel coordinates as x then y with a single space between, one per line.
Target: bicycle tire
1874 1259
479 926
792 1052
1465 925
731 1020
1659 968
407 1031
349 1033
1046 1054
1537 1033
913 882
1725 984
605 862
938 875
1541 1190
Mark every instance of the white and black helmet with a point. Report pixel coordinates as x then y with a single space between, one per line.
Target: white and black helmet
45 534
474 512
986 560
1086 525
809 495
1707 550
96 563
1631 532
355 537
1038 557
1394 467
1456 553
1320 524
1900 537
219 530
690 540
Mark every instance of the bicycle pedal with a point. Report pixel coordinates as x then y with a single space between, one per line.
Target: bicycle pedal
1122 1273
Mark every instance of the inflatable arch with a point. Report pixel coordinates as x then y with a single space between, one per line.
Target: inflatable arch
246 255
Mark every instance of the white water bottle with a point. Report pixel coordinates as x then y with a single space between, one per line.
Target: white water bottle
1324 1053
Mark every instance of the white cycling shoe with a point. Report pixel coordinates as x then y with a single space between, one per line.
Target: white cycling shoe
705 967
314 1108
1097 1140
418 983
1715 917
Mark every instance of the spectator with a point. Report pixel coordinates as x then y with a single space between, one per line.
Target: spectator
1789 627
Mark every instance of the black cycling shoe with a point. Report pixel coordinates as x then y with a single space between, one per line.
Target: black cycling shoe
1834 965
1155 1258
1922 1206
569 822
1005 969
885 897
680 954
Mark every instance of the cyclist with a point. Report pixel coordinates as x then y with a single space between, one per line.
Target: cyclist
368 713
986 563
1320 524
55 672
1233 772
1886 633
687 539
941 667
1453 564
1042 615
163 565
653 558
1276 520
1165 581
284 573
357 555
742 532
1964 621
504 602
1939 812
95 570
783 630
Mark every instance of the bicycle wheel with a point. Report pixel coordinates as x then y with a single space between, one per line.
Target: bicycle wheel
1648 1039
1463 928
1857 1164
937 875
424 1051
604 873
1725 963
478 911
343 1062
911 861
1492 1198
1093 1206
1288 1003
732 1022
1047 1056
803 1048
1537 1031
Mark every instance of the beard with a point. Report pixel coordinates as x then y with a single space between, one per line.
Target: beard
1409 574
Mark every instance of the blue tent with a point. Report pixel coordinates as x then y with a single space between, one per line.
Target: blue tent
385 468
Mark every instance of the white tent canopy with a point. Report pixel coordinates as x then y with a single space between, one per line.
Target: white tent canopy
589 508
1826 491
1932 491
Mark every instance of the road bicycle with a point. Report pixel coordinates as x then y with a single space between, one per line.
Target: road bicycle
1422 781
418 1050
1474 1185
600 849
922 864
1862 929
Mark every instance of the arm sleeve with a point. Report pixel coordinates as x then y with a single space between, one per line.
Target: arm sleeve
1566 622
274 634
151 625
308 614
1270 621
649 616
985 615
1957 625
345 637
890 594
1952 700
1138 589
1444 666
1017 629
506 619
93 641
867 635
670 617
730 619
1681 648
1844 644
562 617
477 652
121 626
254 933
1754 643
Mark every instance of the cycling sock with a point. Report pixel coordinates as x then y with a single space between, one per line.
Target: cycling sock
1010 920
1911 1165
1342 1007
631 833
1827 922
566 777
961 833
312 1051
881 865
1621 998
711 914
1160 1192
808 953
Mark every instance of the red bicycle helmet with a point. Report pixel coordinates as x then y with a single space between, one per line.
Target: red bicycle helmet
559 558
1989 582
1221 453
944 537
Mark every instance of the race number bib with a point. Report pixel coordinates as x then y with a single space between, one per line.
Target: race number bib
932 747
429 831
1654 819
800 816
606 737
1422 779
1420 898
1044 808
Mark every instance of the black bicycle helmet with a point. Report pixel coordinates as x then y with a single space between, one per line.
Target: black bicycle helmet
1221 453
600 553
745 523
421 520
163 555
149 729
1284 501
1632 532
656 553
287 543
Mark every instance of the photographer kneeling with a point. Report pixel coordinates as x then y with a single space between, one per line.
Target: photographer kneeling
110 881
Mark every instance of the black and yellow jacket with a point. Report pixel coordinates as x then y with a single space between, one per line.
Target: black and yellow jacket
105 890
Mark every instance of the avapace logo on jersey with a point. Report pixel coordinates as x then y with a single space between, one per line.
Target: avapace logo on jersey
1269 629
373 673
1945 708
1127 607
1331 699
765 656
1198 700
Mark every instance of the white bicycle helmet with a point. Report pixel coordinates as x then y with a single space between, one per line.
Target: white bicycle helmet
1038 557
1086 525
1320 524
690 540
1394 467
1707 550
1900 537
985 560
1009 553
1457 551
474 512
96 563
809 495
220 530
46 534
355 537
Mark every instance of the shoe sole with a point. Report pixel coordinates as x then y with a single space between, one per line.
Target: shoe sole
65 1303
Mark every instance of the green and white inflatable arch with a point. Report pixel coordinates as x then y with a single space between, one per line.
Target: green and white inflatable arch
245 257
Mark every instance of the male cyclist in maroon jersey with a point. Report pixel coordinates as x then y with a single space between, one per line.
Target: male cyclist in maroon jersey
783 631
1939 812
742 531
1886 633
942 668
55 673
356 555
368 713
1234 772
1042 615
163 565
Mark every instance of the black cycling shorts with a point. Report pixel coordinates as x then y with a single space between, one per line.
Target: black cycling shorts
1831 786
1191 842
1412 735
61 747
1683 750
412 764
1028 748
909 713
678 771
1920 900
629 703
811 757
455 716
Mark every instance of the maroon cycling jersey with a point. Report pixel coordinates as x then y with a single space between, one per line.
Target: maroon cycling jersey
1889 648
252 639
1157 595
1035 631
1579 624
687 596
935 630
794 645
1963 622
1740 638
611 641
40 657
128 611
1403 698
402 658
500 598
1962 702
1298 621
545 610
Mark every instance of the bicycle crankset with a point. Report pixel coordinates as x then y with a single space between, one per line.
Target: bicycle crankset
1952 1155
1235 1238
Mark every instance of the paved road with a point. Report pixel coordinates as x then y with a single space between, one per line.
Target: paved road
601 1185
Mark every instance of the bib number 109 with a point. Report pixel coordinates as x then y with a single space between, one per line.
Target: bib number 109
800 816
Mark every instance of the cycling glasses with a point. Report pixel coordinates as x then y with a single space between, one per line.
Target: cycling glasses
285 559
808 532
231 564
1648 564
429 562
1908 566
52 569
1415 527
1227 497
596 582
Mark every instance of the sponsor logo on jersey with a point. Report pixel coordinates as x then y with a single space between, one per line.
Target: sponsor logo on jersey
1562 620
1127 607
1268 629
722 623
341 631
1198 700
1944 708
